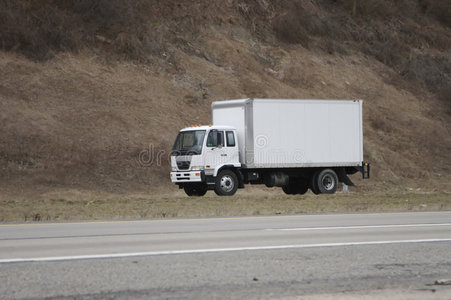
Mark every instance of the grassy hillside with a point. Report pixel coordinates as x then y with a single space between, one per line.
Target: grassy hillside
89 88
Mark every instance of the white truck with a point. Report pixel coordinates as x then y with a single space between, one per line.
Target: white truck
293 144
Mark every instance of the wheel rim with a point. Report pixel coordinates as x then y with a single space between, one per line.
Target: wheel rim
227 183
328 182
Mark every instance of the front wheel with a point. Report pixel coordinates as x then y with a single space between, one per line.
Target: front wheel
196 189
226 183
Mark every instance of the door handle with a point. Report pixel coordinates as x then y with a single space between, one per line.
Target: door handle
223 154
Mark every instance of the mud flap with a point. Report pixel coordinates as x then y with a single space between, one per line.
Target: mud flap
343 177
240 179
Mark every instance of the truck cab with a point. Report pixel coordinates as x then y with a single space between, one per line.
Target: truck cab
199 154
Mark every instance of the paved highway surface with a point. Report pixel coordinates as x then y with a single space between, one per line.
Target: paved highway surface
351 255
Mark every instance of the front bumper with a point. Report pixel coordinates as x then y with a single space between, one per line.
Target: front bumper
187 176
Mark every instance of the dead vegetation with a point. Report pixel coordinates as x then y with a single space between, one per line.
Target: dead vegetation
71 204
87 87
399 34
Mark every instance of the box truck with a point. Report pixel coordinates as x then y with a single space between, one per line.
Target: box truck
293 144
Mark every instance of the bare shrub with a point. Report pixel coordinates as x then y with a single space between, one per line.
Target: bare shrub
381 124
334 47
391 52
445 95
289 28
369 8
317 24
34 29
298 22
256 14
38 29
296 76
124 23
101 13
439 9
433 71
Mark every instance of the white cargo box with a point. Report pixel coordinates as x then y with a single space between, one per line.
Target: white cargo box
278 133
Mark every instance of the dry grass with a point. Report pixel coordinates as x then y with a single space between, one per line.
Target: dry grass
85 205
39 29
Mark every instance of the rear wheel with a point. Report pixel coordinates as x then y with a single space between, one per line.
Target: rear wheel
302 187
290 188
295 186
195 189
327 181
313 183
226 183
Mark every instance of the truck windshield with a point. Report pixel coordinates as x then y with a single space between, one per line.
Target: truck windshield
189 143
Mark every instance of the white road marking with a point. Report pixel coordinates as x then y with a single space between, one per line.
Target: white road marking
221 218
359 227
199 251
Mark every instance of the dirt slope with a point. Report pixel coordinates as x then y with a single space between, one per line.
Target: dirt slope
89 88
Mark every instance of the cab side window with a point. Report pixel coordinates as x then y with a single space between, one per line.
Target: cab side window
230 139
215 139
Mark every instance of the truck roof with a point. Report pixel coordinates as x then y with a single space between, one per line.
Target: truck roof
247 101
207 127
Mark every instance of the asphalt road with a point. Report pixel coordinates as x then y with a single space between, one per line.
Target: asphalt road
376 255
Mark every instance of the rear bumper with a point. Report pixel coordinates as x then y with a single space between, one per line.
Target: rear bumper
188 176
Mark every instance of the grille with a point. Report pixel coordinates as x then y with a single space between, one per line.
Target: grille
183 165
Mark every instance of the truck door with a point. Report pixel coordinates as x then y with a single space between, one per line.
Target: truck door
221 149
214 150
231 148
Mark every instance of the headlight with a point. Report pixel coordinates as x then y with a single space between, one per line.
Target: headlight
197 168
174 169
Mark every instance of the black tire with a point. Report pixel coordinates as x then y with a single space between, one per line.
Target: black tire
290 188
195 189
302 187
295 186
313 183
201 189
327 181
226 183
